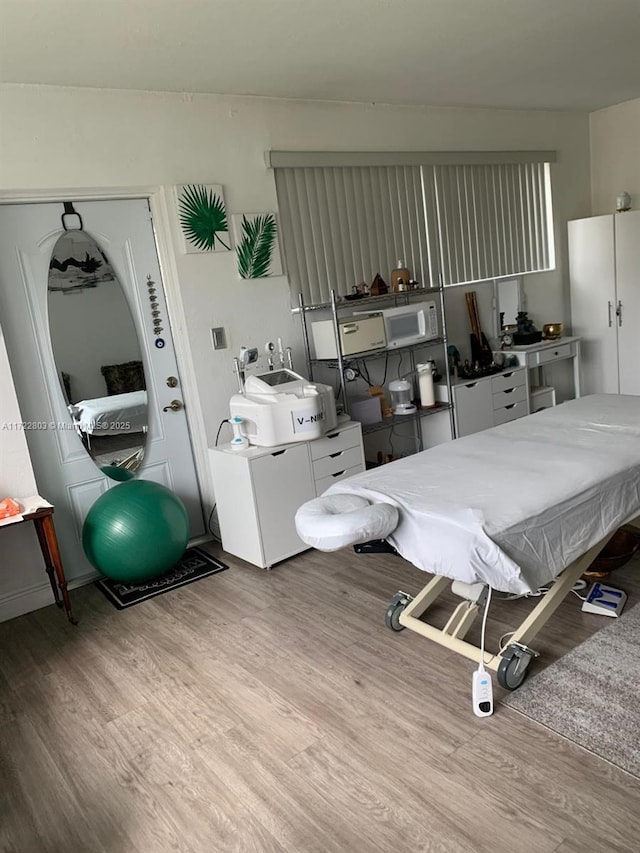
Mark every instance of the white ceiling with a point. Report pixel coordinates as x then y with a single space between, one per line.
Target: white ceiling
533 54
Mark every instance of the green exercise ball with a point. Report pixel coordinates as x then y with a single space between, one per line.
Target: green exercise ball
135 531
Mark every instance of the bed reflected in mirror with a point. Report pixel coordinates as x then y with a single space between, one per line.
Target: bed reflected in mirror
97 355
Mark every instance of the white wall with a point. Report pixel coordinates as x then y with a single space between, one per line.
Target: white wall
615 158
57 138
21 563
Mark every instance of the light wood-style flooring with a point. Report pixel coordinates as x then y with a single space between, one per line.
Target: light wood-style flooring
273 711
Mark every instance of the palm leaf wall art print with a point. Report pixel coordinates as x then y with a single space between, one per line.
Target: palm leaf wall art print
257 245
203 218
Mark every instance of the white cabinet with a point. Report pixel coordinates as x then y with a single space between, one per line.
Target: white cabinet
489 401
604 264
258 490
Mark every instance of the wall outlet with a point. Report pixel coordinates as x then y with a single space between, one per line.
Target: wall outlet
219 338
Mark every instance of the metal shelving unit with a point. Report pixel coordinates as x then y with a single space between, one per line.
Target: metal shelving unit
336 307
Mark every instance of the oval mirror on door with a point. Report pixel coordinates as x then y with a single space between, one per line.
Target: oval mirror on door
97 355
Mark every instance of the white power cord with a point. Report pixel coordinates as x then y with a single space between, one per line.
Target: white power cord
501 642
484 626
579 585
542 590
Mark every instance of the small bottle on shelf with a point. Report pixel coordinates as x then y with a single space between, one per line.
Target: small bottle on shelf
400 277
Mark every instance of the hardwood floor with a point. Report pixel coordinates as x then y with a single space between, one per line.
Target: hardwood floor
273 712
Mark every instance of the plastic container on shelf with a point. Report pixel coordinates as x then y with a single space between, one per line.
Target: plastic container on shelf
400 391
367 410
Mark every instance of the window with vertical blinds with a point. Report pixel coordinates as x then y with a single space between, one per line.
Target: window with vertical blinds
449 222
342 225
493 220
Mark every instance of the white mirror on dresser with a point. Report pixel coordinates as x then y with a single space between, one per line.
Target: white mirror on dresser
509 299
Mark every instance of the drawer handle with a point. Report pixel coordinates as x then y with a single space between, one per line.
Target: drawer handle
556 352
511 406
508 390
508 375
471 385
333 435
337 453
279 452
338 474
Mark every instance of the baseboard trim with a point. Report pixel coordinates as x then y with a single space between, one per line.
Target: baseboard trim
41 595
34 597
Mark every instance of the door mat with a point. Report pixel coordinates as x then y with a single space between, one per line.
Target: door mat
192 566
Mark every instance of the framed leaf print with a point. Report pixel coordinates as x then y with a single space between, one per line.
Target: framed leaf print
257 249
203 218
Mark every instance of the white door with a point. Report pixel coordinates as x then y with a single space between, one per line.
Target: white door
593 302
628 288
65 473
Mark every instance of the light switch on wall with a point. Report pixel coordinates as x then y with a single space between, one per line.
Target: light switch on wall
219 338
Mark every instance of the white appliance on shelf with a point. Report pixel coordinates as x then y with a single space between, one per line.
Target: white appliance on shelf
357 334
604 259
409 324
281 407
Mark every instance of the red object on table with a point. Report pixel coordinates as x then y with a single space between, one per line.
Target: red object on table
9 507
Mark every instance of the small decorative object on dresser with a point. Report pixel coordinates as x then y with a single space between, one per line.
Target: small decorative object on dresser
623 202
527 332
552 331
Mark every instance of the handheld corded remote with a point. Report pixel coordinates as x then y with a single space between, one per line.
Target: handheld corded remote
482 693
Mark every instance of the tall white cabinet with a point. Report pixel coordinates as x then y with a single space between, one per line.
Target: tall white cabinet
604 263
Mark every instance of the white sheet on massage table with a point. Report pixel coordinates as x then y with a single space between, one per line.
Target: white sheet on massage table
516 504
96 416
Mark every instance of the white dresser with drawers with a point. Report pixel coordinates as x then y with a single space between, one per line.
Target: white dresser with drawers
488 401
540 359
258 490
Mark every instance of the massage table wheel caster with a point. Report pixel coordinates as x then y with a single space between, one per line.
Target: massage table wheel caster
514 664
395 607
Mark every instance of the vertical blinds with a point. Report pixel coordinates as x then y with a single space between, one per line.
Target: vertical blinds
341 225
493 220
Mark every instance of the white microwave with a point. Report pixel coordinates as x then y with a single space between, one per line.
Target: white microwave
409 324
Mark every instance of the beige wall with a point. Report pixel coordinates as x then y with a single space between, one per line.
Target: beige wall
615 156
56 138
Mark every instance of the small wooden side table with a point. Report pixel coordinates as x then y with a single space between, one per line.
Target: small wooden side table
43 521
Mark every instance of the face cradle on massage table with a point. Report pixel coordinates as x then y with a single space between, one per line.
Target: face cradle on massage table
512 507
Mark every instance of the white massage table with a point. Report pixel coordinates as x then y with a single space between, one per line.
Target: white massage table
512 508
